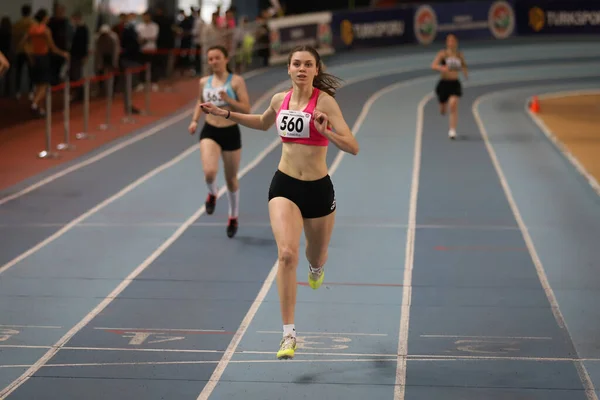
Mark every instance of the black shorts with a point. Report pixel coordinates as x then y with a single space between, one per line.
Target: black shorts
229 138
40 69
315 199
447 88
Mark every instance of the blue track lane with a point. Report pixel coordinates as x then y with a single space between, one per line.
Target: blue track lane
331 335
475 287
164 334
347 325
563 230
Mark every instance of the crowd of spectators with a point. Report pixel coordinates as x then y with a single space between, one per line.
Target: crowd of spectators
40 49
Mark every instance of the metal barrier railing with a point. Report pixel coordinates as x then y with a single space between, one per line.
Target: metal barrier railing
66 87
241 58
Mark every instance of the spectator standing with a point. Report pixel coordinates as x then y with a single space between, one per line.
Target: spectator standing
6 48
19 31
107 48
79 51
60 29
41 44
148 32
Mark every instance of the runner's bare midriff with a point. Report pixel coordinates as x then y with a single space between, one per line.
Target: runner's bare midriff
300 161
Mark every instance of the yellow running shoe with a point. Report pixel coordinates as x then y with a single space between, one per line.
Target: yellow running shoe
287 348
315 278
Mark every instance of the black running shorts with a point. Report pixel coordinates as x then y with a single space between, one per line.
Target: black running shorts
229 138
315 199
447 88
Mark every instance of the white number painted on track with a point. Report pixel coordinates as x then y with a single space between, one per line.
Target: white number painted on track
487 346
139 338
6 334
323 342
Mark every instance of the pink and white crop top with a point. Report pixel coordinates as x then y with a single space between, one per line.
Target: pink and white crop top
298 126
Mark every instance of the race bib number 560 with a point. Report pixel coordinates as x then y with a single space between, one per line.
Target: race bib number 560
293 124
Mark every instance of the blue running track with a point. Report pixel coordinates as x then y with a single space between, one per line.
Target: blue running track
462 269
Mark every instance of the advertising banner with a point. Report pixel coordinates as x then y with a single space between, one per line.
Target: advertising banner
311 29
372 28
467 20
558 17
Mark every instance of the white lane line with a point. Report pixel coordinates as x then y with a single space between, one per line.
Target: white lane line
127 281
579 365
262 99
399 388
198 362
142 135
401 372
557 143
280 86
258 224
425 357
190 351
329 333
159 330
486 337
31 326
391 358
220 369
211 384
97 208
124 349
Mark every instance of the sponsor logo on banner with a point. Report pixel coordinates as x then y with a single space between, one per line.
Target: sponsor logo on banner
324 35
559 17
501 19
369 28
469 20
537 19
346 32
425 24
313 29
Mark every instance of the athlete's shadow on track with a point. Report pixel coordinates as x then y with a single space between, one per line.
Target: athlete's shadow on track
381 368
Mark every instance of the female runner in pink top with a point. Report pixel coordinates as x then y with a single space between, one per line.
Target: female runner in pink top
301 193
